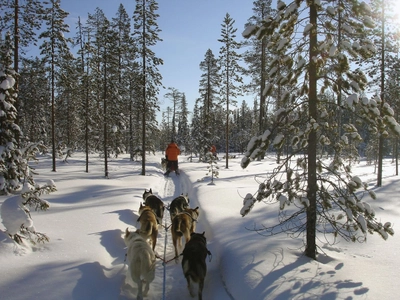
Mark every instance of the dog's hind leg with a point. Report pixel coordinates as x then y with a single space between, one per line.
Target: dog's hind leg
175 239
140 290
154 234
190 286
148 279
138 281
201 286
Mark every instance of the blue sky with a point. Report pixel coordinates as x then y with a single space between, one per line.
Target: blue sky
189 28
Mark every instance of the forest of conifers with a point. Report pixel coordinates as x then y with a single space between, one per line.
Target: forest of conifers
104 97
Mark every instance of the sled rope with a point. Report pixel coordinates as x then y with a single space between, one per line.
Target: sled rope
164 260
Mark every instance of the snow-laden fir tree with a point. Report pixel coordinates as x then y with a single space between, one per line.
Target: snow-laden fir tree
316 194
16 175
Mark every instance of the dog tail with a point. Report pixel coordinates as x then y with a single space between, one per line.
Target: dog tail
178 229
148 230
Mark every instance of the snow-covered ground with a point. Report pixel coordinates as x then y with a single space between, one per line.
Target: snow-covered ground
88 215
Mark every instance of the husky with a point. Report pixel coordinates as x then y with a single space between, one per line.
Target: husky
155 203
148 224
163 163
141 261
183 224
178 205
194 262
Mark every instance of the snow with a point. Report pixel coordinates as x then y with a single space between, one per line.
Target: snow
249 30
14 214
307 29
7 83
84 258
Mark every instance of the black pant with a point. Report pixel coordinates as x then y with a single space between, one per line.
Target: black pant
172 165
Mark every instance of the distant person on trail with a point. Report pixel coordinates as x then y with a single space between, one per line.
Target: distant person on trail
213 150
171 155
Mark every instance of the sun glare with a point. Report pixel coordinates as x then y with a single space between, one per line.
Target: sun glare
395 9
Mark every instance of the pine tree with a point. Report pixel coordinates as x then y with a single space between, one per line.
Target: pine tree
231 72
145 36
54 46
330 204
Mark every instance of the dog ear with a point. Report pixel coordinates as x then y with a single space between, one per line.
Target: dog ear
203 233
127 232
151 192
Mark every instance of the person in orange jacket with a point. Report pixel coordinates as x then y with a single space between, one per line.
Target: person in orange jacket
213 150
171 154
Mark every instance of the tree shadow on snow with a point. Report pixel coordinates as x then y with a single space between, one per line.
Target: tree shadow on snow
94 282
303 279
127 216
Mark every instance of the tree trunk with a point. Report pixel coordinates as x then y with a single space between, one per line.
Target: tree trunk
380 147
53 123
311 248
144 92
16 63
105 116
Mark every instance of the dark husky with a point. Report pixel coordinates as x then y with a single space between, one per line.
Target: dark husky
155 204
178 205
194 262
